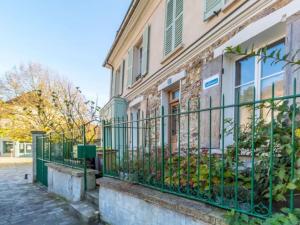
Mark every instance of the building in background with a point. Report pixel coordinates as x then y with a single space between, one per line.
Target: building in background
10 148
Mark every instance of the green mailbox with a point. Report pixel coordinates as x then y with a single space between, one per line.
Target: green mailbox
86 151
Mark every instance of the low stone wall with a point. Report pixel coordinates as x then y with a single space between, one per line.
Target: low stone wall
68 182
122 203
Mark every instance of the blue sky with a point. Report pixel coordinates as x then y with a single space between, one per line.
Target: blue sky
71 37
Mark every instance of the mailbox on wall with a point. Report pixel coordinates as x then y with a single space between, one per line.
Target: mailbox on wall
86 151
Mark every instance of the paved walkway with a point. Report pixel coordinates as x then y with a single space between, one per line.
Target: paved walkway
26 204
14 160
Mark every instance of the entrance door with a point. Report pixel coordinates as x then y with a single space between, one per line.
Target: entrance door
173 119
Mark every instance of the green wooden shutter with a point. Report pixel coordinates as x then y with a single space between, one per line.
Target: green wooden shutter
130 67
169 27
211 6
117 82
178 23
145 57
122 76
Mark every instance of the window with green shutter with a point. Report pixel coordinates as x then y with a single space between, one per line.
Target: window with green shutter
173 25
145 51
212 6
122 75
130 67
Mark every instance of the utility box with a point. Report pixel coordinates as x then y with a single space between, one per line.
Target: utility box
86 151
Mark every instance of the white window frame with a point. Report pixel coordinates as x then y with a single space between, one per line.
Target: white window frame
257 73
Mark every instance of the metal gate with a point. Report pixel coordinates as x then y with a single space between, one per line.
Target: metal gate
68 152
42 157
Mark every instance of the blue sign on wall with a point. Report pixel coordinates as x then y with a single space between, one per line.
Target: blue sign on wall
211 81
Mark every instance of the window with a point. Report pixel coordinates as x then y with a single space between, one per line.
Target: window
28 149
138 58
175 95
251 72
173 25
21 148
173 118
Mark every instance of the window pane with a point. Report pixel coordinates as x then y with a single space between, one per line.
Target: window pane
21 148
245 69
174 111
268 68
266 87
246 93
175 95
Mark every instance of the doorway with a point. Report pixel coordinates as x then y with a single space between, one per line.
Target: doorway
173 118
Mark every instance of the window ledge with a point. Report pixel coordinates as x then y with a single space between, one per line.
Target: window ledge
135 83
172 54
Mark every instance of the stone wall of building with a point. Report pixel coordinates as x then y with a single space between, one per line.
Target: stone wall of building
199 68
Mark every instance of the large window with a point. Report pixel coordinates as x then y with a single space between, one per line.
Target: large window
251 72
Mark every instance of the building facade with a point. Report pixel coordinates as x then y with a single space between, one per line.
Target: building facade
169 52
10 148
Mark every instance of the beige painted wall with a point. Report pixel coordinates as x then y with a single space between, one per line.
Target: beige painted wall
153 13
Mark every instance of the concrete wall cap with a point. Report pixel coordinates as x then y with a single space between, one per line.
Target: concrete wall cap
69 170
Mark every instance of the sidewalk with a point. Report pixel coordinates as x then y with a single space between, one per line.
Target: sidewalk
22 203
13 161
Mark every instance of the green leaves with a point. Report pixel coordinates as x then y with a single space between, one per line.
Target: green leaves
291 186
276 56
284 218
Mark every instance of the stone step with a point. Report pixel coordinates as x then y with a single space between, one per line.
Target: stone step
86 212
93 197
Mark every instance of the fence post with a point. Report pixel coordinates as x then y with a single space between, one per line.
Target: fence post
162 147
63 147
50 158
34 135
84 143
104 147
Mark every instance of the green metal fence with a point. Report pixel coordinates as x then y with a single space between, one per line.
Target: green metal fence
243 156
56 148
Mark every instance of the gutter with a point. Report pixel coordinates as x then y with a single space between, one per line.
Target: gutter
131 9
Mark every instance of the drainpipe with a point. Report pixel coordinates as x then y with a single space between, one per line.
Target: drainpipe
111 79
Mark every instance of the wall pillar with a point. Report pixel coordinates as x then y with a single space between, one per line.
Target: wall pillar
34 135
211 68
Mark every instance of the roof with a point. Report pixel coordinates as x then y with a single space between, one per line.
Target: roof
121 29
